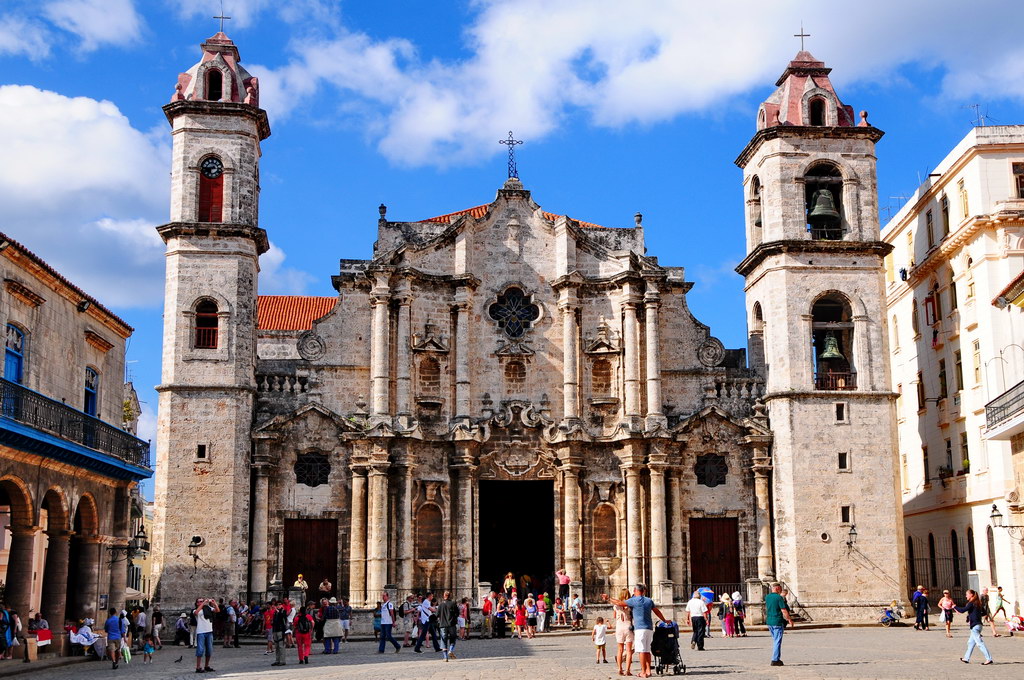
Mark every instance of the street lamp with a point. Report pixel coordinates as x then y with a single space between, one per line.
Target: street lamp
193 551
851 538
1015 530
139 543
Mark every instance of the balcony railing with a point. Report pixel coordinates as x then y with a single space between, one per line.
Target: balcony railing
206 338
1005 406
42 413
835 381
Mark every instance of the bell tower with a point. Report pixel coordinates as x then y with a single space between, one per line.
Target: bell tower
213 243
815 306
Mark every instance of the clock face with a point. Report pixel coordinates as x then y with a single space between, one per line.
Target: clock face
212 168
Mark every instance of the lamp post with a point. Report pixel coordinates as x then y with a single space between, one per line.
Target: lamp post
139 543
193 551
1015 530
851 538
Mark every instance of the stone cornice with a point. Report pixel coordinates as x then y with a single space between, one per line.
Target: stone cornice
953 242
781 131
23 293
879 248
257 115
219 229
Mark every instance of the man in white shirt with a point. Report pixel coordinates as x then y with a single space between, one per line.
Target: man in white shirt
427 625
697 609
387 622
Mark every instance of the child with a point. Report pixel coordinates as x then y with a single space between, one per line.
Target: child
376 622
147 650
597 635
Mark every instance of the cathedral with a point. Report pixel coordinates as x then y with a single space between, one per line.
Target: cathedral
505 389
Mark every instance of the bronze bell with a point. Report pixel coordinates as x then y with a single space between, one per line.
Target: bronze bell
831 347
823 213
757 215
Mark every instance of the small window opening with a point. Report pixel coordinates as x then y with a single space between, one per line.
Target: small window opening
823 197
214 85
1018 179
207 320
846 514
201 452
92 387
14 354
817 107
430 377
840 413
602 378
844 460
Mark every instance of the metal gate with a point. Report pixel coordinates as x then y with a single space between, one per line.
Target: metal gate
938 563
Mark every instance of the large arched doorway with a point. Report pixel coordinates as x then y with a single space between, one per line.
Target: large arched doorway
17 518
84 561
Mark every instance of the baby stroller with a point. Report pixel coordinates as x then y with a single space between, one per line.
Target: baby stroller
1015 624
891 615
665 649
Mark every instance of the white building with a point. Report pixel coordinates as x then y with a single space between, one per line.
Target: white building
957 242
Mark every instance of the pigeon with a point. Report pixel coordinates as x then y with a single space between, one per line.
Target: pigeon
178 660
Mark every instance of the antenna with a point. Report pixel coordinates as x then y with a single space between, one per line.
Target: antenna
980 119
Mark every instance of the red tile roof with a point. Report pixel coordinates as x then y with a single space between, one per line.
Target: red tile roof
290 312
479 211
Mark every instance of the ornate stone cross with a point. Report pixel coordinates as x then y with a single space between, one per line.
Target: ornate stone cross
512 141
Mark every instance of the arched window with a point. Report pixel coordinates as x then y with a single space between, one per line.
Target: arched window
211 190
429 533
605 534
755 201
757 322
832 344
515 376
911 563
817 111
895 332
207 322
994 580
972 557
933 564
14 354
92 389
601 378
954 548
214 85
823 186
953 303
430 377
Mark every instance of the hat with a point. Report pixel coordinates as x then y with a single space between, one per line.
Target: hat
736 595
183 616
124 612
88 622
333 600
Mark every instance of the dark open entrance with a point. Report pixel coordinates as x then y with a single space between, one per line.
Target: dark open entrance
715 553
310 549
517 531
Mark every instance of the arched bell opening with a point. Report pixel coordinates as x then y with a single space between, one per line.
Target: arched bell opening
823 186
832 343
755 219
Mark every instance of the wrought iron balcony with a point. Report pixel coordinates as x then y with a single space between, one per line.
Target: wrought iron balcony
22 405
1007 405
835 381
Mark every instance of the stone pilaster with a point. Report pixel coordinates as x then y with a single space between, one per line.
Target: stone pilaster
659 530
462 381
570 356
379 354
404 539
676 563
571 518
18 589
90 563
631 359
463 479
403 360
634 524
357 537
377 530
762 480
652 339
258 560
55 575
118 573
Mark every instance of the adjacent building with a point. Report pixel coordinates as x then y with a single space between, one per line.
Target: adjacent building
958 361
68 462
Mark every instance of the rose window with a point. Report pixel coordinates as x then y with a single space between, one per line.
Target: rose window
514 312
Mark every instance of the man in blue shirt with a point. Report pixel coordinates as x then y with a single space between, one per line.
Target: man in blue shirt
643 624
113 628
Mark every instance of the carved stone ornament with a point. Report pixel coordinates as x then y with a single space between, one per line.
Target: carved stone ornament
311 346
711 352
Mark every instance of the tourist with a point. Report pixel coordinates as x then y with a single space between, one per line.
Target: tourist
560 612
921 606
428 624
643 625
318 627
332 626
409 613
280 627
148 649
563 584
230 621
386 613
520 620
204 612
973 610
158 626
624 635
513 602
500 614
192 623
268 626
509 585
986 611
303 624
576 609
181 633
542 614
325 588
777 616
999 604
345 617
38 623
447 621
300 584
289 633
740 612
464 619
946 605
113 630
531 618
487 612
697 610
598 636
141 623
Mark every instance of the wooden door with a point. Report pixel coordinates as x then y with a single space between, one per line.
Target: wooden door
714 551
310 549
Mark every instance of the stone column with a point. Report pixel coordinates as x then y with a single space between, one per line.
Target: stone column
260 531
659 533
634 525
381 332
570 358
403 375
55 576
652 334
118 574
762 472
461 307
676 565
377 532
405 529
357 538
631 365
462 478
571 519
89 565
18 592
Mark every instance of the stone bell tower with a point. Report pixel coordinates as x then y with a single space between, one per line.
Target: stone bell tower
207 389
815 310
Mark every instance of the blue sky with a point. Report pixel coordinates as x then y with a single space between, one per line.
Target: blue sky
624 107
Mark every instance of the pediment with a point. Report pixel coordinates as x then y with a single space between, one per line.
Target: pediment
313 416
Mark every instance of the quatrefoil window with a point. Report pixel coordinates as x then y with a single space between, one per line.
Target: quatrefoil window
312 469
514 312
711 470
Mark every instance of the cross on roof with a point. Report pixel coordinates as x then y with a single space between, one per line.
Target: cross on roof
222 17
801 35
511 141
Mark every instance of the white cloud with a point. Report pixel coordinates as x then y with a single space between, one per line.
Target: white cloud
96 22
244 13
275 278
534 63
21 36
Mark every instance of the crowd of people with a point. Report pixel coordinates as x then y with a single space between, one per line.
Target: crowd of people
981 608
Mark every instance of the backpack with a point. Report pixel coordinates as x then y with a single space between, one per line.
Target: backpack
402 611
302 624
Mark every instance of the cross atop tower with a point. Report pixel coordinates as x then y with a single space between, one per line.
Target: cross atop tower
511 141
222 17
801 35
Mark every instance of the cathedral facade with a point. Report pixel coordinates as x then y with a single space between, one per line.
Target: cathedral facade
505 389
